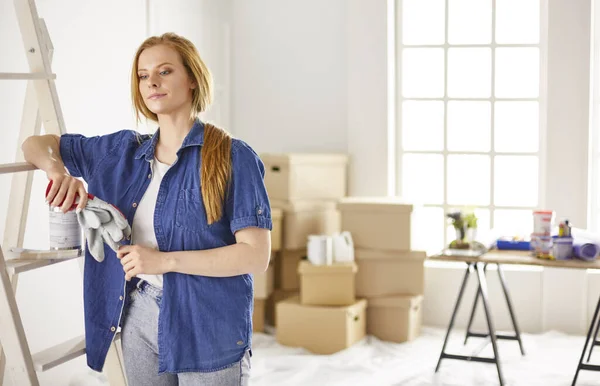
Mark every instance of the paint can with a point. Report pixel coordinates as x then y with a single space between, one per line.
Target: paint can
64 230
542 222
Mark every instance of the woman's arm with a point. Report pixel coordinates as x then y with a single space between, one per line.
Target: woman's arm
43 151
250 254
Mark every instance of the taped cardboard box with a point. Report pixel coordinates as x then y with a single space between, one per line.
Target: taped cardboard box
305 175
264 283
302 218
395 318
377 222
276 232
321 330
286 264
277 296
327 285
383 273
258 315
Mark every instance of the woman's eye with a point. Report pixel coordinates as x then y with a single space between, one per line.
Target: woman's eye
165 72
143 76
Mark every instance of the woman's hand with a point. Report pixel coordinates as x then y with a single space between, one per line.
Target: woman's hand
136 260
65 189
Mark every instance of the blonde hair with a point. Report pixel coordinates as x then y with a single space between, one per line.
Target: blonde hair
215 153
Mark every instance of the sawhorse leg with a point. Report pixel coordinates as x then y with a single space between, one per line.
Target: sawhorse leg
513 318
588 340
483 292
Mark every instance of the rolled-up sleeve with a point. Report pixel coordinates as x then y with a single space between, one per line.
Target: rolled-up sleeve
82 155
247 202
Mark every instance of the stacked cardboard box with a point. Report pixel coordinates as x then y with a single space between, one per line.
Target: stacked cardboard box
264 283
306 188
326 317
390 275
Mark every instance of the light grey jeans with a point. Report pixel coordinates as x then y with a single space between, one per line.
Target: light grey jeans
139 338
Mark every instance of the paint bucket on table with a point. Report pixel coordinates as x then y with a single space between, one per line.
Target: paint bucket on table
562 248
542 222
64 230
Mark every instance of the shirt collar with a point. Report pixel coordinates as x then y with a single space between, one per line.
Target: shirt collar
194 138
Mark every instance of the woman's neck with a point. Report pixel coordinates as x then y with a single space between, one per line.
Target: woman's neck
173 130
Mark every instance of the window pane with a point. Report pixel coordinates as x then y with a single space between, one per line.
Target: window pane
423 178
468 180
469 72
423 72
423 21
518 21
428 230
469 21
516 181
469 126
509 222
516 126
517 72
423 125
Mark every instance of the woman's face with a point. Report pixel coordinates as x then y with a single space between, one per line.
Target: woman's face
165 84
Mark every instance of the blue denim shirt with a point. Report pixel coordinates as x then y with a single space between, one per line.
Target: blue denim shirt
205 323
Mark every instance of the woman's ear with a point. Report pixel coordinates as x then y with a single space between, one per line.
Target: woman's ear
193 85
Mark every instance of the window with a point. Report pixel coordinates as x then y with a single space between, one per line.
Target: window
468 114
594 180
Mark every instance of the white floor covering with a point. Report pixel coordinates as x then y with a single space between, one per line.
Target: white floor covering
551 359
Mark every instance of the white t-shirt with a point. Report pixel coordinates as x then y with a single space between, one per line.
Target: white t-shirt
143 221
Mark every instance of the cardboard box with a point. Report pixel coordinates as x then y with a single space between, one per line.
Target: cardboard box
377 222
395 318
264 283
327 285
382 273
302 218
277 296
305 176
321 330
286 264
258 315
277 231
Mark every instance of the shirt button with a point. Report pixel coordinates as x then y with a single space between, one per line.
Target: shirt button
113 329
260 211
239 342
150 175
134 204
120 297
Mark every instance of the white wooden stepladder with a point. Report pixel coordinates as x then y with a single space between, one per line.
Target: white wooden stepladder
41 105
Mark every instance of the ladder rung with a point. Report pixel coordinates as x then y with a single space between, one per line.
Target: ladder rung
18 264
59 354
62 353
15 266
26 75
16 167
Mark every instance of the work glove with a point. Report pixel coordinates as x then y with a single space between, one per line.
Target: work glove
102 223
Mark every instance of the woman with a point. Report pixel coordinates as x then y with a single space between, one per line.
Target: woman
181 288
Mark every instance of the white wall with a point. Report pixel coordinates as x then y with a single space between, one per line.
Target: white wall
94 47
290 75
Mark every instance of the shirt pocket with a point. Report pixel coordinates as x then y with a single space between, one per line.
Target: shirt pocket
190 212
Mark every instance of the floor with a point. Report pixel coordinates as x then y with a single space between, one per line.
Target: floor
551 359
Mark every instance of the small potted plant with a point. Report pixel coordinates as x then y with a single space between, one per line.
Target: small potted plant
465 226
